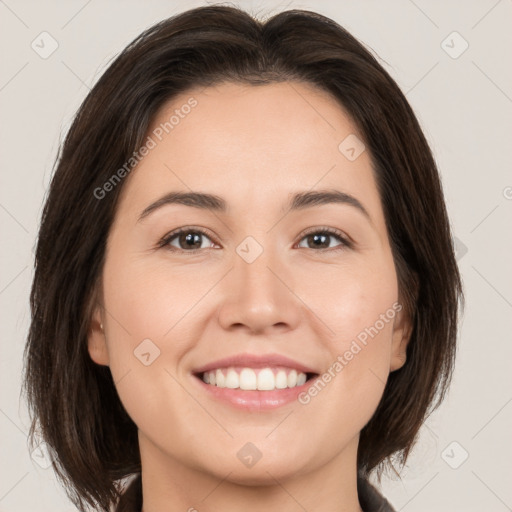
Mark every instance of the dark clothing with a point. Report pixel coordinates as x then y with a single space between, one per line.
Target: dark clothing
369 498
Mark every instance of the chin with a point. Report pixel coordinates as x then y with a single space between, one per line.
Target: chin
264 471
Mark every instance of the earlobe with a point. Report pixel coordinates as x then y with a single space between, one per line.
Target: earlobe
398 360
96 342
401 336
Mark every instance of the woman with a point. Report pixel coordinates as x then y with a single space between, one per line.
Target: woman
245 288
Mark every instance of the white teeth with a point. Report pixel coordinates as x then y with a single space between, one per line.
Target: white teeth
220 380
301 379
247 379
232 380
264 379
281 380
292 379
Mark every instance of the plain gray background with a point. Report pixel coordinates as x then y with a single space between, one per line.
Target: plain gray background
463 100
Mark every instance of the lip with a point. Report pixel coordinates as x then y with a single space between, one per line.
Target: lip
254 400
255 361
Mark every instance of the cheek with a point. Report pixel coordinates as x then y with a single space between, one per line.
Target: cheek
360 306
148 300
342 400
351 298
152 322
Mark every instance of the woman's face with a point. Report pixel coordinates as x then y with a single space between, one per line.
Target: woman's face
265 286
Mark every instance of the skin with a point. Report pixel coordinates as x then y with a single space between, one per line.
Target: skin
304 302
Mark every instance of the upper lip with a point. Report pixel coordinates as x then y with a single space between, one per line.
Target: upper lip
255 361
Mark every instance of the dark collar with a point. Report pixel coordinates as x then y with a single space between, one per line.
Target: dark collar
369 498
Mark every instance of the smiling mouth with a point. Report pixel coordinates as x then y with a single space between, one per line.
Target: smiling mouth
255 379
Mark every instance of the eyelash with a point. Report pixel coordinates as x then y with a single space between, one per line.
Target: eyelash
345 242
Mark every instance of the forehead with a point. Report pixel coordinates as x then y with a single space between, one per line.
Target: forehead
277 120
243 142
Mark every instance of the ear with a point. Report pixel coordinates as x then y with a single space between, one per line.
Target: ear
96 341
402 330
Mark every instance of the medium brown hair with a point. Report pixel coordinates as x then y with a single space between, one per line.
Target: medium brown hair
73 401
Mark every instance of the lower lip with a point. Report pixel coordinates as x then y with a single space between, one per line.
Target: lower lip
254 400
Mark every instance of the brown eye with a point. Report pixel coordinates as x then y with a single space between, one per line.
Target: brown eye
322 240
187 240
192 240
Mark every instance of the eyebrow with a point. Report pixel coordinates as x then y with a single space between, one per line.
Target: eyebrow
298 201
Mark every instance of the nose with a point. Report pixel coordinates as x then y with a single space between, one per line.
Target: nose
258 297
